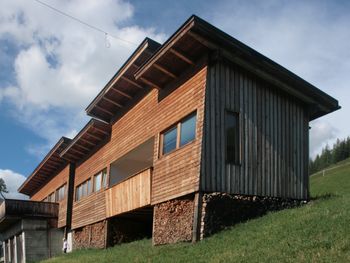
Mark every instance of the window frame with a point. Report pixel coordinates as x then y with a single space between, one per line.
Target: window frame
177 126
237 159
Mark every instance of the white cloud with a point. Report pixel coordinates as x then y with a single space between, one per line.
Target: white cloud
61 64
13 181
321 134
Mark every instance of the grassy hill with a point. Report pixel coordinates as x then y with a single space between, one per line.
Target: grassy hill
316 232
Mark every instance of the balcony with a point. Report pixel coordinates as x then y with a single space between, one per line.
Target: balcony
130 194
12 210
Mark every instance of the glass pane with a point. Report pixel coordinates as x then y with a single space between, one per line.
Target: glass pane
188 130
84 189
97 182
89 188
104 176
169 140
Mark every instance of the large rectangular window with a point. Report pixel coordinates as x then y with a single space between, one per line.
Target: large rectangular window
232 137
179 134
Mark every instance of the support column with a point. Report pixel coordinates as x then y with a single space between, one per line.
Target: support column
5 252
15 249
197 214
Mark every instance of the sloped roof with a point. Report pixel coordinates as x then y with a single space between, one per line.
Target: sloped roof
196 37
123 89
86 141
48 167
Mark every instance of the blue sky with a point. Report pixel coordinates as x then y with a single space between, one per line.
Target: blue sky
51 67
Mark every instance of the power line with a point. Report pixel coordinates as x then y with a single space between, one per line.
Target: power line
83 23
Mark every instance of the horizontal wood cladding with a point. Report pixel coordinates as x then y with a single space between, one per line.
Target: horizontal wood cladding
177 173
133 193
60 179
174 175
274 137
89 210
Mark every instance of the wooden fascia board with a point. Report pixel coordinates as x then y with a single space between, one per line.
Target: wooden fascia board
165 47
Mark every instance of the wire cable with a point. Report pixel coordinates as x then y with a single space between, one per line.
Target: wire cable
84 23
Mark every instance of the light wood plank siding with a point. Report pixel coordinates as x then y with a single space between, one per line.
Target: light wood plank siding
51 186
274 137
133 193
175 174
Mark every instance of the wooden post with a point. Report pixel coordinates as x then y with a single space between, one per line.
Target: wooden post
197 215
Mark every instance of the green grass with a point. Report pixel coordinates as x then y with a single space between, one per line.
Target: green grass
316 232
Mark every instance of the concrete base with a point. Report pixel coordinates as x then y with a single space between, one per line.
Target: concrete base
31 241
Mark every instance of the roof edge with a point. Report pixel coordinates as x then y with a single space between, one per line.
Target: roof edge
143 45
62 140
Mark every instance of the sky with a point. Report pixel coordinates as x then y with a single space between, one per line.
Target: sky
51 67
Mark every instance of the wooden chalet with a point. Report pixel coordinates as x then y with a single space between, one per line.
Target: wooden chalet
202 113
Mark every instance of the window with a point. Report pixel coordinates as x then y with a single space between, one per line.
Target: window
232 137
61 192
51 197
179 135
82 190
169 140
100 180
188 130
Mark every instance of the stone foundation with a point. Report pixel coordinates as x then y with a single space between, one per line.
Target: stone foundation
91 236
220 210
173 221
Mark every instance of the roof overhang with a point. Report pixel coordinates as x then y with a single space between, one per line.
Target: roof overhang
196 37
49 166
86 141
121 91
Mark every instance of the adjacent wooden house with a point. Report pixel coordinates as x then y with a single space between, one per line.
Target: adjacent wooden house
202 113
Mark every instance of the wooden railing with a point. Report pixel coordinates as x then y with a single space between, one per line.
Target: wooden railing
133 193
23 208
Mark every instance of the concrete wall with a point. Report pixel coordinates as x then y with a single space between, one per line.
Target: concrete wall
31 240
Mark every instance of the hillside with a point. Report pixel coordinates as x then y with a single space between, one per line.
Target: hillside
316 232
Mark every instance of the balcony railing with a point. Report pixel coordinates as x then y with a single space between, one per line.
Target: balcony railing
133 193
22 208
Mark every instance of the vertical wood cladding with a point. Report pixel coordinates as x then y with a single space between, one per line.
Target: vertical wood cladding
58 180
174 174
274 137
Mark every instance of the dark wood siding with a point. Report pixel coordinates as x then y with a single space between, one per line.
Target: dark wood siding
274 137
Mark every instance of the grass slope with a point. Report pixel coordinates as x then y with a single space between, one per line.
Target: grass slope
316 232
